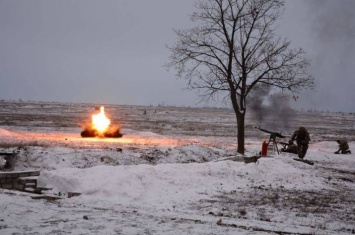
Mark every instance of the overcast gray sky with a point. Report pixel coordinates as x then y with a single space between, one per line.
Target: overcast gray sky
113 51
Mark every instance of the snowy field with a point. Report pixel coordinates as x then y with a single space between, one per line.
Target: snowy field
171 172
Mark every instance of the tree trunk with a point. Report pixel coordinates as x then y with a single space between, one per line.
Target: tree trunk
241 131
240 115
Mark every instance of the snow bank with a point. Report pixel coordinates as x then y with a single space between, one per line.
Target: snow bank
176 183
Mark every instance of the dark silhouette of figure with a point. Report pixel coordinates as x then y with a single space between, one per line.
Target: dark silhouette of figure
302 139
343 147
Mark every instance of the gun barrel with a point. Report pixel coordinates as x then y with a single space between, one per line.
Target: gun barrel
265 130
272 133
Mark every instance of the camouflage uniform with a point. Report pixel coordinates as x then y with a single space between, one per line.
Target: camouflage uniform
291 148
302 138
343 147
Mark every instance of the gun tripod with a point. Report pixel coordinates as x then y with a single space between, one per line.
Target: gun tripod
274 143
272 138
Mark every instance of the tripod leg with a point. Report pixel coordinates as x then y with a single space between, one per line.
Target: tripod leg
275 146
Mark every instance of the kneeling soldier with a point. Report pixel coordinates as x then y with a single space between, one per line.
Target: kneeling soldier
343 147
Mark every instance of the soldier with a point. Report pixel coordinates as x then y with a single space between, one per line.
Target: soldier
343 147
302 138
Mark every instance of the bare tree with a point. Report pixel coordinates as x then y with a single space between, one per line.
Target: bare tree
233 49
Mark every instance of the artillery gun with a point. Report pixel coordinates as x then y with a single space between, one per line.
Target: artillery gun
272 138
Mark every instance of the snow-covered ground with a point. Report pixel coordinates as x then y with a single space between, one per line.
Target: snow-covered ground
171 173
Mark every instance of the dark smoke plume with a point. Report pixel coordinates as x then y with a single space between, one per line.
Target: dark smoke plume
271 110
331 31
333 23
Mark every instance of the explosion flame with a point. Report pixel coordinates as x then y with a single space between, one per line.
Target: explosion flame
100 127
100 122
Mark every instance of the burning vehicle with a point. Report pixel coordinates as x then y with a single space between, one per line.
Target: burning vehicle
100 127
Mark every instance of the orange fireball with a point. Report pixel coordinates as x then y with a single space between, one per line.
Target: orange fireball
100 122
100 127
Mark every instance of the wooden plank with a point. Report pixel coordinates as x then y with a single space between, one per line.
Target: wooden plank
32 179
46 197
39 190
304 161
29 173
73 194
8 154
18 174
7 186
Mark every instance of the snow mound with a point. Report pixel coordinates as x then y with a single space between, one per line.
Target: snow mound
177 183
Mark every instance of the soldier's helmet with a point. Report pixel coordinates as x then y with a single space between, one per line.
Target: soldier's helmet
302 129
